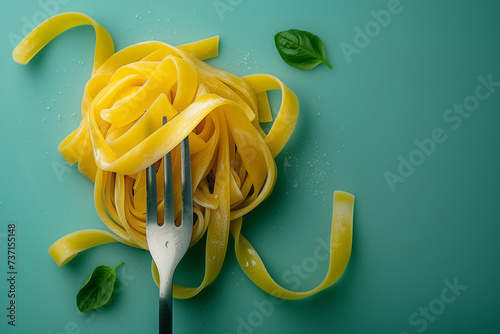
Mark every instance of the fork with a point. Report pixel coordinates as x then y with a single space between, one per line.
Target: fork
168 243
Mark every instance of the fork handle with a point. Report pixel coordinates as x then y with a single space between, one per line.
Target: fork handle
165 306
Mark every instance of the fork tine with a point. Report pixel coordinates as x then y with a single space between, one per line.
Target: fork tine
151 205
187 193
168 197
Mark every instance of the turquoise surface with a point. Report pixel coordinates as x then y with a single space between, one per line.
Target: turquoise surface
408 121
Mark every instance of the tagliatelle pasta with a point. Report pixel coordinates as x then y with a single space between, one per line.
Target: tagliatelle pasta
233 167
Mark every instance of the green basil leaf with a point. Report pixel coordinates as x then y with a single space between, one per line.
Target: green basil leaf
97 289
301 49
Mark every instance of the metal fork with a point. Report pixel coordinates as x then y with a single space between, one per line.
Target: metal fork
168 243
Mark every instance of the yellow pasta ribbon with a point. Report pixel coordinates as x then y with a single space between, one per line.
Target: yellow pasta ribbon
233 167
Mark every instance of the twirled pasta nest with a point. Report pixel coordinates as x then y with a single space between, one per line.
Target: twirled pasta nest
232 158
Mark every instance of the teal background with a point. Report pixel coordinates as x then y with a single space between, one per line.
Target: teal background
438 227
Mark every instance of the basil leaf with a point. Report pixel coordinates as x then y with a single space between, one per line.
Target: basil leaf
97 289
301 49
